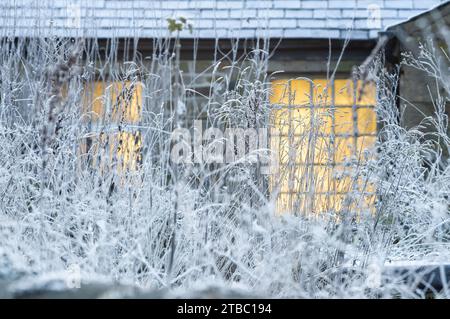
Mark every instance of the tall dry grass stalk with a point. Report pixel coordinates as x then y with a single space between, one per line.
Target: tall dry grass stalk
69 197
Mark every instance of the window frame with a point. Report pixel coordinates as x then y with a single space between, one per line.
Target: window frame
355 135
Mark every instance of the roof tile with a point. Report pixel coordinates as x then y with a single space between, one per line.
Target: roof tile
210 18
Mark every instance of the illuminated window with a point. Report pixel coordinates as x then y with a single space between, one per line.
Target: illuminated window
114 110
319 127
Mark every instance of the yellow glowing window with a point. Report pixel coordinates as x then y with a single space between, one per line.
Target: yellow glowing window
114 110
319 127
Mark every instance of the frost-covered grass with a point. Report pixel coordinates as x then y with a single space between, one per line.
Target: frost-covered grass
185 227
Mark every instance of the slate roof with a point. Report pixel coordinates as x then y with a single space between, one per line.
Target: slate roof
209 18
434 21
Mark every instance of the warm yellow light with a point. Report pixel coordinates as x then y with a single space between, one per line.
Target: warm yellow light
117 101
367 123
115 104
317 133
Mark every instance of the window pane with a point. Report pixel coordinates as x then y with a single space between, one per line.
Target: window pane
112 103
343 92
364 147
322 93
314 205
303 120
127 147
344 121
366 94
301 91
342 179
303 149
319 151
125 98
344 149
320 179
292 179
292 120
312 150
290 203
326 203
119 150
367 123
290 150
319 203
93 100
290 92
306 178
280 92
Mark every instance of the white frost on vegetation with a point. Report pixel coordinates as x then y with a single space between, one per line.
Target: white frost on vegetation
165 226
